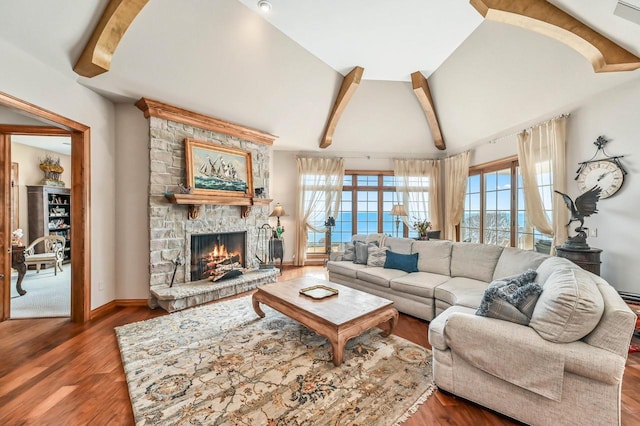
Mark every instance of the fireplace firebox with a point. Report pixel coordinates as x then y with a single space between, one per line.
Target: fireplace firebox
217 256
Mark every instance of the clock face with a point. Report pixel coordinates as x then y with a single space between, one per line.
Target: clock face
605 174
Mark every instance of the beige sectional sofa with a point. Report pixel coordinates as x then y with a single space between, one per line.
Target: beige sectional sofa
564 367
448 273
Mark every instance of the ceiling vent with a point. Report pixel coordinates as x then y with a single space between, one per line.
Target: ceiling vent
629 10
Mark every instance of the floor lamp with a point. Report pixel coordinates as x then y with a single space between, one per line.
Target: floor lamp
398 211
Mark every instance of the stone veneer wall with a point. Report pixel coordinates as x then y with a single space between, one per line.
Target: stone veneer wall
170 228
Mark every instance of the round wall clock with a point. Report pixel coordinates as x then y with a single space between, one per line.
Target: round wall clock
606 174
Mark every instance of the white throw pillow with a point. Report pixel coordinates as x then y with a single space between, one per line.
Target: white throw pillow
569 308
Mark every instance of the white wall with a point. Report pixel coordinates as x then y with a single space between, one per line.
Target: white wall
26 78
616 115
132 216
29 173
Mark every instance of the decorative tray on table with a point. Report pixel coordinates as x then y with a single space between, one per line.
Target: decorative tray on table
318 291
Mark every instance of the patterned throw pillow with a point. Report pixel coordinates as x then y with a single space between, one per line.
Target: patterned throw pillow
377 256
349 252
511 299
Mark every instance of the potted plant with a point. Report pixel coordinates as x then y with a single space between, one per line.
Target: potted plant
422 226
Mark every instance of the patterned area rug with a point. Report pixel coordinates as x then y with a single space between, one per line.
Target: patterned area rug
221 364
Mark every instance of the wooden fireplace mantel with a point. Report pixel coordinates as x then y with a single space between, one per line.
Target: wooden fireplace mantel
196 201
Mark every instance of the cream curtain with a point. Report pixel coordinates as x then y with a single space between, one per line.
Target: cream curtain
541 156
456 172
419 183
319 188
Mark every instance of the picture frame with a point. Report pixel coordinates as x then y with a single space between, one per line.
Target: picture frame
215 169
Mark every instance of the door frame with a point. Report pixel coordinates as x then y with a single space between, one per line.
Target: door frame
80 208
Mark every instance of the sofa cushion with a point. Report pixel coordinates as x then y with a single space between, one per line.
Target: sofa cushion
461 291
418 283
511 299
377 255
403 262
379 276
569 307
344 267
433 256
513 261
362 251
349 252
377 238
550 265
399 245
476 261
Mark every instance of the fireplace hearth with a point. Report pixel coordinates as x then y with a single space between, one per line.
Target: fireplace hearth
217 256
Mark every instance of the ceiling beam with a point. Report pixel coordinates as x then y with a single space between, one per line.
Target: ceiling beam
116 19
545 18
350 83
421 89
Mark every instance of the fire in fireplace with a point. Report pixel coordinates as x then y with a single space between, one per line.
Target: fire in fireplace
217 256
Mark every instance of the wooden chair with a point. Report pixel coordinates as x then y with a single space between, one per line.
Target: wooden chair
53 252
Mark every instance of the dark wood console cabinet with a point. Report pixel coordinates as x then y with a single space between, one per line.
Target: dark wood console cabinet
276 250
588 260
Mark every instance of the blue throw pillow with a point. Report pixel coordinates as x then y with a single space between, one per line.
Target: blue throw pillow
403 262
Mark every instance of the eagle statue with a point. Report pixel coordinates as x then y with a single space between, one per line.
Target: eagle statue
583 206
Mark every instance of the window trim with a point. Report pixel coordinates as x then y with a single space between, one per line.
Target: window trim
490 167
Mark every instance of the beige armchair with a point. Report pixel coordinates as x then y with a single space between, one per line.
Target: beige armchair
53 252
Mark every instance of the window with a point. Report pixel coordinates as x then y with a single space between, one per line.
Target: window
365 208
494 210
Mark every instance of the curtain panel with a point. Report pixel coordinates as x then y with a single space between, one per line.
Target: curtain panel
456 172
319 188
541 150
419 183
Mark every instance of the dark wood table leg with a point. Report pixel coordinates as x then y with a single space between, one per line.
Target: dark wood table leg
17 262
22 270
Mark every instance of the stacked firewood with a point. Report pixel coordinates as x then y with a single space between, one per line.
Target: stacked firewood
220 267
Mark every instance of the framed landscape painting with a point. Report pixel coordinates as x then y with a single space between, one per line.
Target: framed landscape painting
218 170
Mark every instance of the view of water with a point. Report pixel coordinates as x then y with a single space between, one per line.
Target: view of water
368 223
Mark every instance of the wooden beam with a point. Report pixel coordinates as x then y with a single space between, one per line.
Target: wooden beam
18 129
421 89
169 112
350 83
114 22
545 18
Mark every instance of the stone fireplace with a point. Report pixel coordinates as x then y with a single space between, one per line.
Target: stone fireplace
173 283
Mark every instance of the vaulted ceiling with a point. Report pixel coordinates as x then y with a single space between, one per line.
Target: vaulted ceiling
281 73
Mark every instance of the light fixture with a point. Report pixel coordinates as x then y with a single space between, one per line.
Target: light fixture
397 211
278 211
264 5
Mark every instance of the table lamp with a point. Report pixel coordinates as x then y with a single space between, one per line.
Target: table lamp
277 212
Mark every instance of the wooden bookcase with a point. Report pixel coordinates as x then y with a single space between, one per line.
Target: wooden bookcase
50 214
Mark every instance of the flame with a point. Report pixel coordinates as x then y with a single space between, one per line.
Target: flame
220 252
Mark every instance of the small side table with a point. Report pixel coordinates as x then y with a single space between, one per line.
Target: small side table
17 262
276 250
589 260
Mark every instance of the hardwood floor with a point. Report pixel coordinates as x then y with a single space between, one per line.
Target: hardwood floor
53 372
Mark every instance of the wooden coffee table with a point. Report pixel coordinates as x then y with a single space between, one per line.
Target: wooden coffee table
338 318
